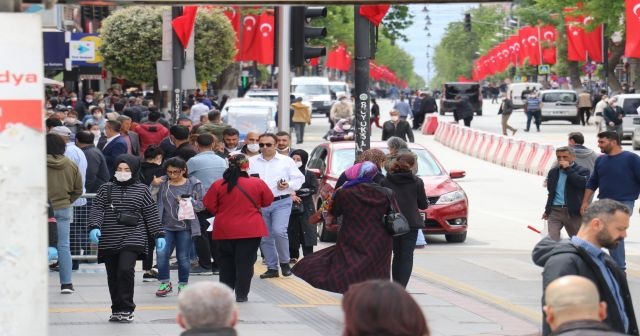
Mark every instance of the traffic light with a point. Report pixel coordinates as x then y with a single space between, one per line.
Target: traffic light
301 33
467 22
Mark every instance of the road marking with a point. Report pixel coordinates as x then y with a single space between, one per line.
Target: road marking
300 289
478 294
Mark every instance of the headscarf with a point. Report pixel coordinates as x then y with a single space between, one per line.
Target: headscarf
304 156
134 164
360 173
238 164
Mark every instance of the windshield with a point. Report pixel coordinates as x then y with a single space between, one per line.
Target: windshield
343 158
311 89
630 105
564 97
452 90
338 88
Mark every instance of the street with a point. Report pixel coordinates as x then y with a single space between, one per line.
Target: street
485 286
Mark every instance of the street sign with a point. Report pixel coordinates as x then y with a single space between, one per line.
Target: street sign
82 50
589 68
544 69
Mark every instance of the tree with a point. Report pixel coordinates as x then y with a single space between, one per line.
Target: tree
397 20
132 35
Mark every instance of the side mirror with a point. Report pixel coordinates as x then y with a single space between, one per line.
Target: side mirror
457 174
315 172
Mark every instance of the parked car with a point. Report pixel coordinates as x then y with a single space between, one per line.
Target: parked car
559 105
250 114
514 90
631 121
472 91
314 90
448 210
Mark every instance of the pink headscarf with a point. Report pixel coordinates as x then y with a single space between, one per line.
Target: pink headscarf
359 173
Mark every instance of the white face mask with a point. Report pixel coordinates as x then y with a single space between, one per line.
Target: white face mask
97 116
96 134
395 118
253 148
122 176
346 127
298 164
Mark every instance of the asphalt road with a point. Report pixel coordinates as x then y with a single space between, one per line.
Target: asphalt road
485 286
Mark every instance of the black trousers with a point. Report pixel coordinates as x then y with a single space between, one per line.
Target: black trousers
418 119
296 237
120 277
206 247
236 260
467 121
584 112
402 264
147 263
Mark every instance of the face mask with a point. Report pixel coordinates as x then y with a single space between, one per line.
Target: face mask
253 148
102 105
395 118
71 120
96 133
298 164
122 176
346 127
97 116
89 100
284 149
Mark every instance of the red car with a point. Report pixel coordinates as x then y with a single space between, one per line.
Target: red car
448 204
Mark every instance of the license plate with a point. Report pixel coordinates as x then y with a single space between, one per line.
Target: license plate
636 121
422 215
557 112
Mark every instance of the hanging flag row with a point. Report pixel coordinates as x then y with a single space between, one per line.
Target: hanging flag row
339 59
384 74
254 35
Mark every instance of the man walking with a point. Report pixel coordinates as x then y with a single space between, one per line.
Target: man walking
403 108
565 183
585 157
612 116
584 107
604 224
617 175
284 178
532 110
396 127
428 105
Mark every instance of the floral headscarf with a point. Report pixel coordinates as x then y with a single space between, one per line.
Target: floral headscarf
360 173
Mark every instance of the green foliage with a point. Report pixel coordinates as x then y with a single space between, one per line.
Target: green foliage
397 20
132 37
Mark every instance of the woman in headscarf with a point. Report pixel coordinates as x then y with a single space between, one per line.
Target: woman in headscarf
237 200
363 249
301 233
123 218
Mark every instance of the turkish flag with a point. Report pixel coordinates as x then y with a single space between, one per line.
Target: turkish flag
264 38
548 36
530 44
374 13
632 46
549 56
183 25
314 61
346 61
234 13
575 36
248 49
593 41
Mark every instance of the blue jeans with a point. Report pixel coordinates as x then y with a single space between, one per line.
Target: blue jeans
181 240
617 253
63 219
276 246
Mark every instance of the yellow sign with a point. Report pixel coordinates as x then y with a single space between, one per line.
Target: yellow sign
97 43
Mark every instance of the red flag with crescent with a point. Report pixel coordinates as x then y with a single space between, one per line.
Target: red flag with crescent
234 15
374 13
183 25
248 50
593 41
548 36
575 36
264 38
632 44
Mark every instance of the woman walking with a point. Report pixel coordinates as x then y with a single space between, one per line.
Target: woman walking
172 190
237 200
411 197
122 219
64 186
506 109
301 233
375 113
355 257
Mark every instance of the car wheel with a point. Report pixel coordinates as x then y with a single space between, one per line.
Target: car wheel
456 238
326 236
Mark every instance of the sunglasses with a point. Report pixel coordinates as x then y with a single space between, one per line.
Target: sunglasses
265 145
174 172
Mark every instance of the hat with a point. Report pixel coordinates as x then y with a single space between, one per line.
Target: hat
61 108
61 130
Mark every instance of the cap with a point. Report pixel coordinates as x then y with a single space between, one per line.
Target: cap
61 108
61 130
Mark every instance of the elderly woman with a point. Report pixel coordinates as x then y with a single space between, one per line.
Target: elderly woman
355 257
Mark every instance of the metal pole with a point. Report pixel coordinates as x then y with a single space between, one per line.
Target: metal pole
284 67
605 57
362 44
177 58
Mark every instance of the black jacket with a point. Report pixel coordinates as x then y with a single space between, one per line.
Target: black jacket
464 109
150 170
564 258
410 195
584 328
185 151
577 177
402 130
97 170
428 105
613 113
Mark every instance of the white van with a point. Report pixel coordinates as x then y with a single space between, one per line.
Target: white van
559 105
629 103
314 90
514 90
250 114
340 89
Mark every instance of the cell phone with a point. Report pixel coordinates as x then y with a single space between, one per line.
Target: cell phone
255 175
185 196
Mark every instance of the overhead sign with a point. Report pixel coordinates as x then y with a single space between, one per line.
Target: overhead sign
589 68
544 69
82 50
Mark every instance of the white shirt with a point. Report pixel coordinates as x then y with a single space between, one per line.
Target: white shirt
272 171
110 139
196 111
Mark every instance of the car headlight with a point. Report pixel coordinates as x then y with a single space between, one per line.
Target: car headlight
451 197
326 103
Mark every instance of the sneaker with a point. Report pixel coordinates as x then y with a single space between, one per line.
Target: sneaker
199 270
149 276
269 274
164 289
124 317
114 317
67 289
241 299
286 269
181 287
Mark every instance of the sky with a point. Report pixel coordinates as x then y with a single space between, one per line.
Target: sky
441 15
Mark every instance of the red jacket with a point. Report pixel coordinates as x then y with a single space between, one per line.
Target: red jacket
236 216
150 134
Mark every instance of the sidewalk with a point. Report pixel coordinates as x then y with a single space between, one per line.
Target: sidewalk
276 307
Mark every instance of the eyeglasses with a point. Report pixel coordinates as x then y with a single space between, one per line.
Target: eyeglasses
174 172
265 145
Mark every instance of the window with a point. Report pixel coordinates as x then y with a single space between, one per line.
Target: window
317 159
311 89
344 158
559 97
630 105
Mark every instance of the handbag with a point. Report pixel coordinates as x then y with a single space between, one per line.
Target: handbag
249 197
297 208
394 222
126 218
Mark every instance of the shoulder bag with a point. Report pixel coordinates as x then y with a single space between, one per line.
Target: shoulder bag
249 197
394 222
126 218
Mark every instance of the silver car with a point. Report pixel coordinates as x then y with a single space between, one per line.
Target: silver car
631 121
559 105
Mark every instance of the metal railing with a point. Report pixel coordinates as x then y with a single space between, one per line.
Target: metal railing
81 248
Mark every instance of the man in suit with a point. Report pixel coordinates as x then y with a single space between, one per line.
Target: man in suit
130 137
112 144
